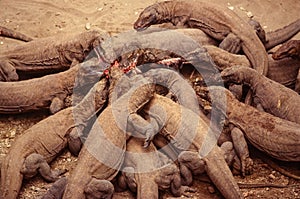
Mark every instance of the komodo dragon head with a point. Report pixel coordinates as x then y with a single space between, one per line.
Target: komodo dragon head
149 16
288 49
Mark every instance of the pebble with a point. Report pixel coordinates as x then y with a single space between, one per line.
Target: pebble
88 26
12 133
1 42
211 189
272 176
273 172
231 7
242 8
249 14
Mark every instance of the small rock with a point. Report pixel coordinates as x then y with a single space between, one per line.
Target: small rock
12 133
246 194
1 42
88 26
136 13
242 8
207 107
267 189
249 14
272 176
273 172
211 189
69 159
100 9
230 7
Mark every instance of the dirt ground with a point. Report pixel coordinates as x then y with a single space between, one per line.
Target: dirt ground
42 18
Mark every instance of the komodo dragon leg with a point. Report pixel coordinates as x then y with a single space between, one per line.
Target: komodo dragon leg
99 189
57 189
7 71
36 163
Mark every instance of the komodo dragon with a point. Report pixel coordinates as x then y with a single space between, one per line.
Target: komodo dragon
6 32
283 71
146 170
272 96
277 137
47 55
40 144
192 134
48 92
289 49
216 21
103 152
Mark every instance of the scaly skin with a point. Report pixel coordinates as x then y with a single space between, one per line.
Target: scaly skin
151 170
277 137
47 138
210 18
191 135
103 153
5 32
289 49
47 54
272 96
43 93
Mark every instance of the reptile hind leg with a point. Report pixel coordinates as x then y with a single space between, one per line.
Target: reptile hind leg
231 43
56 105
190 163
99 189
74 140
8 71
36 163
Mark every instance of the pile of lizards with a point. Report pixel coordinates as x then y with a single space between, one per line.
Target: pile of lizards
150 109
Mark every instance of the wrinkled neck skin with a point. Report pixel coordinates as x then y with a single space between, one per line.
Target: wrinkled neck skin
252 79
165 12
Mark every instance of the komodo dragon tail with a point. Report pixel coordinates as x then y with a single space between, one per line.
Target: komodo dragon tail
5 32
11 177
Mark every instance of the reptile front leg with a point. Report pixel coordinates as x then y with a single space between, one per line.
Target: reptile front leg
231 43
169 176
36 163
8 71
56 190
99 189
190 164
241 148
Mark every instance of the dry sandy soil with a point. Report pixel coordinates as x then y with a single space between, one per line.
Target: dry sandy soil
42 18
